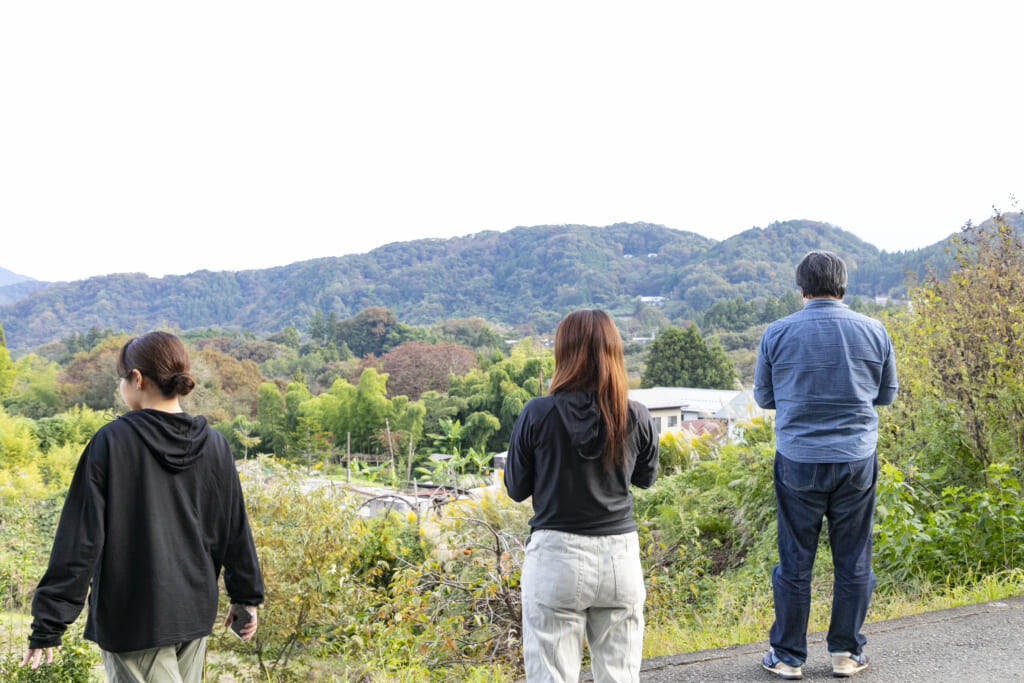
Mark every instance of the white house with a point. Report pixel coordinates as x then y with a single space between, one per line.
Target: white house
671 407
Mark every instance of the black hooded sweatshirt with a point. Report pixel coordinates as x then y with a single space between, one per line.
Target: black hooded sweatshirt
154 511
555 456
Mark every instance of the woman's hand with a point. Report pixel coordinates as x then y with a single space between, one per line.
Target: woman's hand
35 655
249 629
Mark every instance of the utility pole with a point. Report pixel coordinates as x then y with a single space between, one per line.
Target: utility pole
408 466
391 446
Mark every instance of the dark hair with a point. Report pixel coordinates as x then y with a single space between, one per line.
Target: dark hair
821 273
160 357
588 357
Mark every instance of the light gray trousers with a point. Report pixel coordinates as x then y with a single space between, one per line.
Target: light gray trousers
181 663
576 586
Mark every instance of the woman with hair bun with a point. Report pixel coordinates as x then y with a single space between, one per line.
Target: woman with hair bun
154 512
577 451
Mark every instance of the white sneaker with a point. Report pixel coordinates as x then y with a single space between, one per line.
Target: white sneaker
845 664
772 663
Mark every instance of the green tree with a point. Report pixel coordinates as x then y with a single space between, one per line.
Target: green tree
295 394
34 393
437 407
372 331
681 358
244 431
333 410
289 336
18 443
370 409
7 370
780 308
472 332
74 427
502 387
271 416
318 328
479 428
734 315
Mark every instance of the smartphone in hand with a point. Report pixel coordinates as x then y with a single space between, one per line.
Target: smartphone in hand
240 617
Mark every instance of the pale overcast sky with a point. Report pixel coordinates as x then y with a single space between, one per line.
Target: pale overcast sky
170 137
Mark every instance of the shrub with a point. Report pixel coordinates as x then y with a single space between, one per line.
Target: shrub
961 362
347 595
25 538
959 535
72 663
697 524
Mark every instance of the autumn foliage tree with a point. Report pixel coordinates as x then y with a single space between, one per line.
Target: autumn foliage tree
416 367
226 386
91 378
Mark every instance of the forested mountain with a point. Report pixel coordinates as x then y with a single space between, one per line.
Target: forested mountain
525 278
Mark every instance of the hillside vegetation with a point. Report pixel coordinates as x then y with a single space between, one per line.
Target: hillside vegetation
523 280
435 596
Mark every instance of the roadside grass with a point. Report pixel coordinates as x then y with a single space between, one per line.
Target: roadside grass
742 612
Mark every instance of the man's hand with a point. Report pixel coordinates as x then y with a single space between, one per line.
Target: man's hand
249 629
34 656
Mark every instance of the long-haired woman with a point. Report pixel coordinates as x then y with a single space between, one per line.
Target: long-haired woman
153 514
577 451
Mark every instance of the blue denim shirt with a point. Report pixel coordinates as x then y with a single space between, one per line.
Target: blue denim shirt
823 369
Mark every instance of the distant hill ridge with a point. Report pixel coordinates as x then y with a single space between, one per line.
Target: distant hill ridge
14 287
527 277
8 277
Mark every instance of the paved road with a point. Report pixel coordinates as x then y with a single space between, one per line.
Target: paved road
975 644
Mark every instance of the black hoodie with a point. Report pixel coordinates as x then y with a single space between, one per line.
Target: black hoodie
154 511
555 456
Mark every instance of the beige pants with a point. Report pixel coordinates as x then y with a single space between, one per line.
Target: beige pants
181 663
576 586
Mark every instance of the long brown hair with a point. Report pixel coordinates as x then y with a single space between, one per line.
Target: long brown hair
588 357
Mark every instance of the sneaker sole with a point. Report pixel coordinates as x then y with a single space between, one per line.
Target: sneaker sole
784 676
846 673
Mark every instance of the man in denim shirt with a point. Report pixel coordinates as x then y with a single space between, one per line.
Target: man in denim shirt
823 370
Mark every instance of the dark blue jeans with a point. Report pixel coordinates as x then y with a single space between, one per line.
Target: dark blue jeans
844 493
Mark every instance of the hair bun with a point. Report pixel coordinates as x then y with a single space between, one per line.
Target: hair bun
183 383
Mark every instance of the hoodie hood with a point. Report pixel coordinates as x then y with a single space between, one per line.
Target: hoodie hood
176 440
582 419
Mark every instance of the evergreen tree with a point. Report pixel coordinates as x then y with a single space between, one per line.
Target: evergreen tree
681 358
318 328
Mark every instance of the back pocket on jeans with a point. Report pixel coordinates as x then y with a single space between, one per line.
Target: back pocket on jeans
629 579
797 476
862 473
553 578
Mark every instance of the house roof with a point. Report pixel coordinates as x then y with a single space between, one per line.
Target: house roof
700 427
687 399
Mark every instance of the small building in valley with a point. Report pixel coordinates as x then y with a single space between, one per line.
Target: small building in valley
697 410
